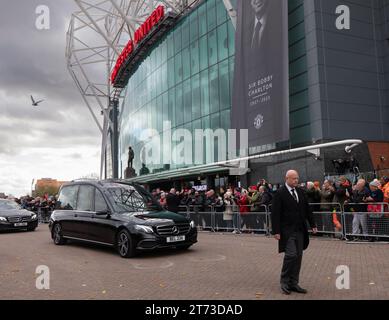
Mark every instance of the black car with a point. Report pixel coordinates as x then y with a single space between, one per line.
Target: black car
13 217
117 214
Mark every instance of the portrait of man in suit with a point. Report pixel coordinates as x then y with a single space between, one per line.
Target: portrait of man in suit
290 213
261 84
260 8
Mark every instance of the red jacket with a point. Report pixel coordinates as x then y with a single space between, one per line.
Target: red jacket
243 204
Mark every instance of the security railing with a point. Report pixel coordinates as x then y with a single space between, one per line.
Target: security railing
44 214
368 220
253 219
234 218
328 218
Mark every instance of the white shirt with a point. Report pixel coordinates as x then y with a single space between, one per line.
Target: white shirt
290 191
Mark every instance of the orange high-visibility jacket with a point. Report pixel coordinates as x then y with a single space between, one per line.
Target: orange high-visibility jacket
385 190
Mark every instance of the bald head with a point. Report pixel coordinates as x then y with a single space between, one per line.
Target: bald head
360 184
310 185
292 178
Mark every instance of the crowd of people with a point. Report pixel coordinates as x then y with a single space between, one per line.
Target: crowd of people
220 199
359 197
42 206
341 192
226 201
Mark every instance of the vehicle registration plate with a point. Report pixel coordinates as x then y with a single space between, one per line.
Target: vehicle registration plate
175 239
21 224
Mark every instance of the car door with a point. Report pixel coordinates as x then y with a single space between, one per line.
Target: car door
65 210
83 214
104 229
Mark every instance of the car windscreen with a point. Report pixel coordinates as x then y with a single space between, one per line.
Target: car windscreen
127 198
9 205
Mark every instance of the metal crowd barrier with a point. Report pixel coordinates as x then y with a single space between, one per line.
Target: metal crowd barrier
256 220
204 220
212 218
44 215
328 218
184 211
366 220
350 220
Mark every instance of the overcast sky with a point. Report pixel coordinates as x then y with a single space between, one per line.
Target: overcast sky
58 139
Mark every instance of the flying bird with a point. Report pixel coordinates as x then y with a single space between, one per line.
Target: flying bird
35 103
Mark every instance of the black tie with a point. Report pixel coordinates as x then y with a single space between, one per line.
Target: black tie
294 195
255 41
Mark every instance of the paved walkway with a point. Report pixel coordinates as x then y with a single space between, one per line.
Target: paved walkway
220 266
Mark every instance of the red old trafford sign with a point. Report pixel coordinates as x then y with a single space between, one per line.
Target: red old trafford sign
139 35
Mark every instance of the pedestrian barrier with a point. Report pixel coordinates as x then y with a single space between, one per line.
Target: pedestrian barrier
366 220
255 220
211 218
184 211
227 222
203 216
44 215
270 229
328 218
205 221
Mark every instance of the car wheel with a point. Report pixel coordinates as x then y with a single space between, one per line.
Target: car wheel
31 229
125 244
57 235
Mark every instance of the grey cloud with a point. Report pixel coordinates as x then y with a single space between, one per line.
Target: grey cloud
33 62
28 53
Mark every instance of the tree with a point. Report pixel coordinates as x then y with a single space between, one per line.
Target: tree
49 190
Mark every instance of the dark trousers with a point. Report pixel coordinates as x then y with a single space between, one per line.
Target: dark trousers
248 221
292 261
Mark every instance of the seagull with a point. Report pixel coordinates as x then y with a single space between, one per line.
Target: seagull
35 103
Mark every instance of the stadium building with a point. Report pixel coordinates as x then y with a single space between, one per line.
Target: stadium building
180 64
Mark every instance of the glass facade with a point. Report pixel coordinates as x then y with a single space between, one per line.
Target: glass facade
187 79
300 124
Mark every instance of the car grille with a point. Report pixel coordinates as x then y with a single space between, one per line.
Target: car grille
18 219
173 230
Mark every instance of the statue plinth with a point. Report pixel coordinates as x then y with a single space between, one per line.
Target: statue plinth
129 173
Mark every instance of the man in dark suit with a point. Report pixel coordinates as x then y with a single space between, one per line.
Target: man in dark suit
173 201
259 23
290 212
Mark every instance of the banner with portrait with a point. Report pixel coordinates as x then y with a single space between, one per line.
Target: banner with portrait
260 100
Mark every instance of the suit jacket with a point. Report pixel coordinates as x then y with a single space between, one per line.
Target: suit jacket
285 215
265 49
173 202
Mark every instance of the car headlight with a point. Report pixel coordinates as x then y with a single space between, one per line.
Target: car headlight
3 219
33 217
192 224
146 229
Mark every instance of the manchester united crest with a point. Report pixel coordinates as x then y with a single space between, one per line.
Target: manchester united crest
258 122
